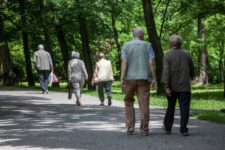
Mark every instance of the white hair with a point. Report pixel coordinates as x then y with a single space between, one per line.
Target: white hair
75 54
40 46
138 32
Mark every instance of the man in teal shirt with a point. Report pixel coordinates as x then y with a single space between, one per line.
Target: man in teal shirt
137 74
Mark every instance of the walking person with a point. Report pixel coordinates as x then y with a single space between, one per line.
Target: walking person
43 64
137 75
103 77
77 74
178 71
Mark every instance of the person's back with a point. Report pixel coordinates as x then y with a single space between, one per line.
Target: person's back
76 67
137 52
104 70
181 72
43 60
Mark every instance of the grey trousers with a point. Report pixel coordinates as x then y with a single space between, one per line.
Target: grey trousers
43 78
107 85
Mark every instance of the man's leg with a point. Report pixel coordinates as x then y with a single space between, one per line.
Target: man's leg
101 92
42 80
143 89
130 89
108 87
184 99
46 74
169 116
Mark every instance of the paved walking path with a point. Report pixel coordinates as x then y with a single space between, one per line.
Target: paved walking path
30 120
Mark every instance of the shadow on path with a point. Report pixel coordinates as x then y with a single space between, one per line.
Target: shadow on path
29 122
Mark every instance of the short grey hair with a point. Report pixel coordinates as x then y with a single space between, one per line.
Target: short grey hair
40 46
138 32
75 54
175 41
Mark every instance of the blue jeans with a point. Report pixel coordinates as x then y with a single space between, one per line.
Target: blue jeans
107 85
184 99
43 78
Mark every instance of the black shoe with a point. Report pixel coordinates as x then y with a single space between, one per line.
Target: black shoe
130 130
102 104
185 134
166 131
109 103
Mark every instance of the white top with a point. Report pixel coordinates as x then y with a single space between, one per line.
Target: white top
105 72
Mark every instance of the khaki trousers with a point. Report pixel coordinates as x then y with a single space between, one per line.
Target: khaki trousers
142 89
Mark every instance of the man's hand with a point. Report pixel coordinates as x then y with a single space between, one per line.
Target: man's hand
92 83
122 84
168 92
153 83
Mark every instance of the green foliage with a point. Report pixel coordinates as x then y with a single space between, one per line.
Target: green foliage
171 17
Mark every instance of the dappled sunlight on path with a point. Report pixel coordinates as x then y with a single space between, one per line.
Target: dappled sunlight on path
32 121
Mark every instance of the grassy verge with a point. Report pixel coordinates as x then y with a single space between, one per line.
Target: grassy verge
213 116
207 98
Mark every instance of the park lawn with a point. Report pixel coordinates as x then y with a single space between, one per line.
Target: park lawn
206 101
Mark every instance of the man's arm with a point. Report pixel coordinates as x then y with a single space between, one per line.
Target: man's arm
123 70
166 76
151 68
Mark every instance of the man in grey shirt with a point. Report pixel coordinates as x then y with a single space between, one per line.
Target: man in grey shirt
43 64
137 73
178 71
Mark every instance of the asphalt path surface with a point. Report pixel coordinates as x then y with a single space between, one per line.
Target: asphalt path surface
30 120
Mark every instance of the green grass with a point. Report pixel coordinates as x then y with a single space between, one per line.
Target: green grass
212 116
206 100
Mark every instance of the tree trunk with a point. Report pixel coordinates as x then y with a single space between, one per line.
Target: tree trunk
64 47
30 77
154 39
4 49
86 49
203 54
116 38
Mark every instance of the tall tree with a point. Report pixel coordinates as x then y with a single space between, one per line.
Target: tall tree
203 54
4 49
63 46
86 48
155 40
30 77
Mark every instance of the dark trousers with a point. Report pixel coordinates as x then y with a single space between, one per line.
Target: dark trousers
107 85
43 78
184 99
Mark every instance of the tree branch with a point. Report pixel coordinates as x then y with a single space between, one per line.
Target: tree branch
164 17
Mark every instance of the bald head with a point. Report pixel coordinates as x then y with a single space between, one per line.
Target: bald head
138 32
175 41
